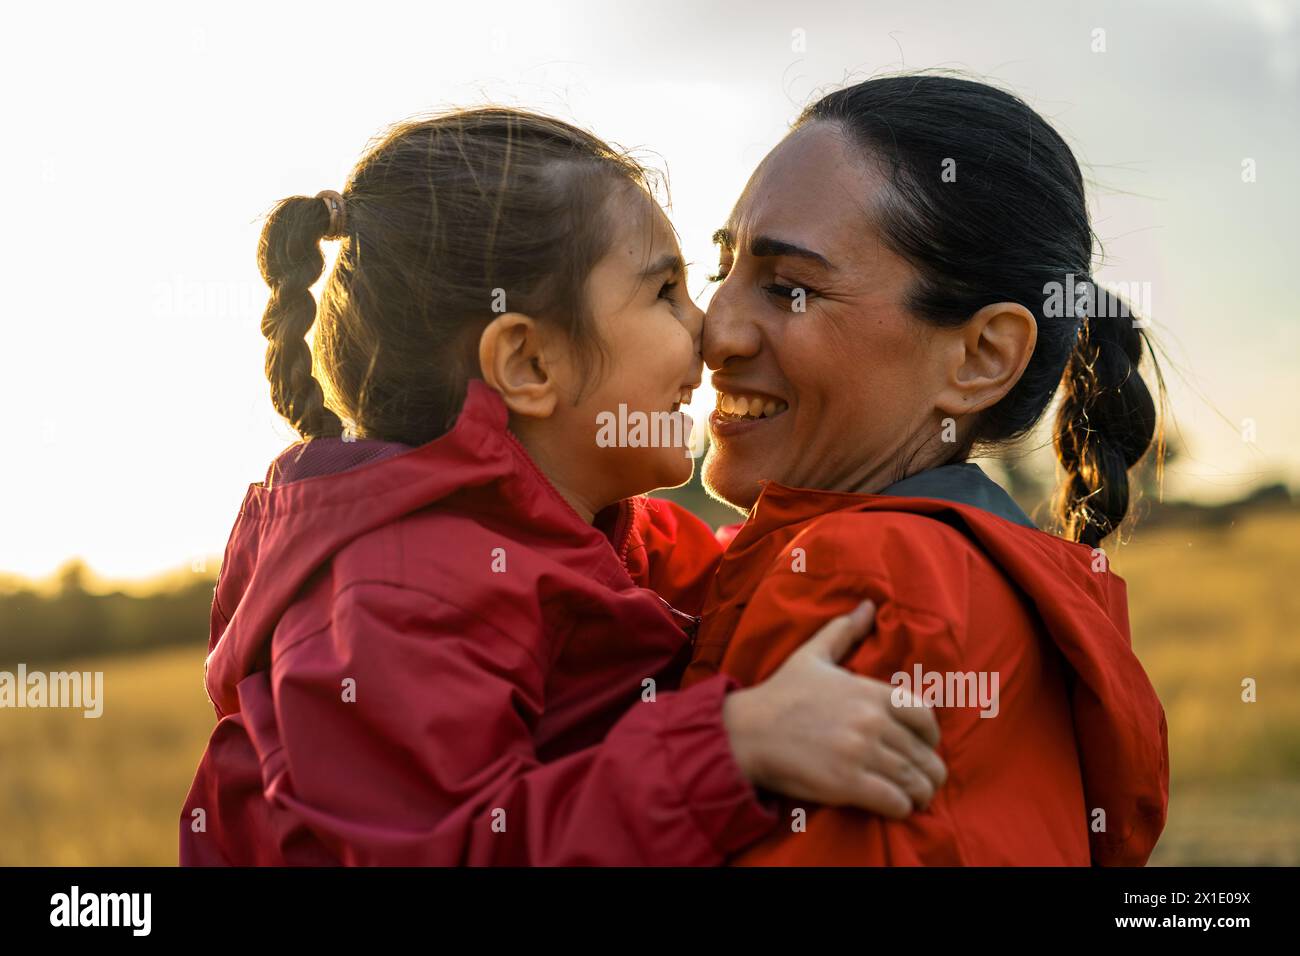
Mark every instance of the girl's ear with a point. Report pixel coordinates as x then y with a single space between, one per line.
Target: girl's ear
986 357
513 360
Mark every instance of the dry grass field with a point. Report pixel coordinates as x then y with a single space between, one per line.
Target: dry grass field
1209 608
106 791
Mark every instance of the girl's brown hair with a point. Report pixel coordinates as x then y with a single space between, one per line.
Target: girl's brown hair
449 221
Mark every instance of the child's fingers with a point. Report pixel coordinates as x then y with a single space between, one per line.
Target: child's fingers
916 716
900 769
839 635
877 793
893 766
916 752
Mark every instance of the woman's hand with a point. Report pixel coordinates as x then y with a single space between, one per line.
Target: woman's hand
815 731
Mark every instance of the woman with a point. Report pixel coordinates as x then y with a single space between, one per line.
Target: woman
891 278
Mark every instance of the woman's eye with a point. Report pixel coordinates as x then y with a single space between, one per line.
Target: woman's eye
789 293
667 289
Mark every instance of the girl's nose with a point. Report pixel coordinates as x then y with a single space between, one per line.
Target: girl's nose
693 319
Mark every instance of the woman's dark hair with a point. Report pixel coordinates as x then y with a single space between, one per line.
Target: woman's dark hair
448 220
987 202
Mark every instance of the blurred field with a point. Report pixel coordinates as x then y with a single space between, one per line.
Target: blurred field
106 791
1209 608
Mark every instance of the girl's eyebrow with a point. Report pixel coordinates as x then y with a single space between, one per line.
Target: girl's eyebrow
766 246
671 263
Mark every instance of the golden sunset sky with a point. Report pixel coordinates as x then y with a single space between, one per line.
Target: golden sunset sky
143 143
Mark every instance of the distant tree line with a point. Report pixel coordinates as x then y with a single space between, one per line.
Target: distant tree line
70 620
40 626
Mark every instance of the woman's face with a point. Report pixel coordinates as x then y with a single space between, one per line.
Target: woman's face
831 388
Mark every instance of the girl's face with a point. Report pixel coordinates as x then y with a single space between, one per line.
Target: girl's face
626 433
831 387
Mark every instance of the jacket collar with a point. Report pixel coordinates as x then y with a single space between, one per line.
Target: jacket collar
287 532
963 484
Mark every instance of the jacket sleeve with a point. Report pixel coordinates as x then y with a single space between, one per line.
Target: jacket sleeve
1015 794
787 610
406 738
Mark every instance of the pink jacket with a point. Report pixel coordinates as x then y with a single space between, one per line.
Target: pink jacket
427 657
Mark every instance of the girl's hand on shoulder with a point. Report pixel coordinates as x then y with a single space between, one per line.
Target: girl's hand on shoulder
815 731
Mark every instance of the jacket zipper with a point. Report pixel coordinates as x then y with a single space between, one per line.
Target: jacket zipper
689 623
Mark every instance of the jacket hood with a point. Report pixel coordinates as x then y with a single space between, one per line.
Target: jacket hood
1118 720
326 493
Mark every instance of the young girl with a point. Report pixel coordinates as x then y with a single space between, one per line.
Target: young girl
436 637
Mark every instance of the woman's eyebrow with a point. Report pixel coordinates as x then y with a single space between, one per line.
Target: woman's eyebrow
766 246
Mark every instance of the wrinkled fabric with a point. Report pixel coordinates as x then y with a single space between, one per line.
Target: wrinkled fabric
425 656
1072 770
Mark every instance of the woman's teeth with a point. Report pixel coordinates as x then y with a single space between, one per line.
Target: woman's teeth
683 399
745 406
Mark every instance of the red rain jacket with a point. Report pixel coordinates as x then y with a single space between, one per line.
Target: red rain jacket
1078 727
429 658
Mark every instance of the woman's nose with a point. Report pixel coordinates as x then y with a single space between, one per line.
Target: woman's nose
727 334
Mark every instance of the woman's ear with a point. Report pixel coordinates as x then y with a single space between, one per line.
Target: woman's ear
989 354
513 360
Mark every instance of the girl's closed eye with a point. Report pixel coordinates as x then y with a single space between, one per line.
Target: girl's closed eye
673 289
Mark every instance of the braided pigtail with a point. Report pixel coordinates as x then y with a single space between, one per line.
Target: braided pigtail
1106 422
290 261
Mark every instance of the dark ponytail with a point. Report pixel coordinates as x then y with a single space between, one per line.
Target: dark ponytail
290 260
1106 422
1010 225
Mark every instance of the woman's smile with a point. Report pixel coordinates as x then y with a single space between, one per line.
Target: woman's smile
742 410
